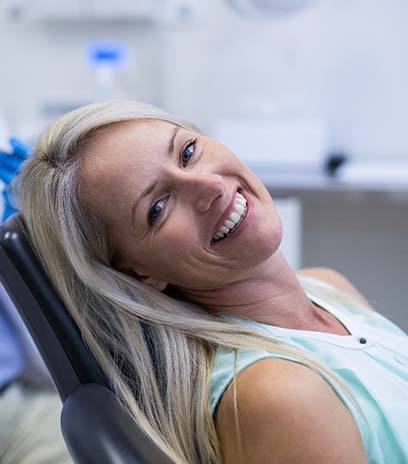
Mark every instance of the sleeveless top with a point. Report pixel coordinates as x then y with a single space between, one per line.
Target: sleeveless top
372 361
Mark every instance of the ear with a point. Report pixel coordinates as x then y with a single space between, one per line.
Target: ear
158 284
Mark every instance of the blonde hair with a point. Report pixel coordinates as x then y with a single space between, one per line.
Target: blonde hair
145 341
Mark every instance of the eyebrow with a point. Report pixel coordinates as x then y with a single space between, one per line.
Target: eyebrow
149 188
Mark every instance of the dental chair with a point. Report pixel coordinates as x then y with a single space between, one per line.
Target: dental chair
95 426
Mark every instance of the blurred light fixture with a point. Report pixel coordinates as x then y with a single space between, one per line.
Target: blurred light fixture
268 8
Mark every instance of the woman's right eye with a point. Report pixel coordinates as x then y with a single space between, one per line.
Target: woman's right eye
156 210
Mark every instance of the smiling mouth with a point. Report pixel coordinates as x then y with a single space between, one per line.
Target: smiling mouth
236 226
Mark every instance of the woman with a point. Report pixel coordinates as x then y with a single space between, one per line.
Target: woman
165 249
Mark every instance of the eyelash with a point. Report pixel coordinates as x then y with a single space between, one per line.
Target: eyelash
190 143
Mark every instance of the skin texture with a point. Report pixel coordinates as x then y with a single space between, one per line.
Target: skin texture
281 422
245 274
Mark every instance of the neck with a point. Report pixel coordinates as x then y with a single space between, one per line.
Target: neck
272 295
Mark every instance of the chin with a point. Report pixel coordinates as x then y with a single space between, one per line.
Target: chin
263 243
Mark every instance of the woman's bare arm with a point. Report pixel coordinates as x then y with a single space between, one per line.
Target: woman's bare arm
288 414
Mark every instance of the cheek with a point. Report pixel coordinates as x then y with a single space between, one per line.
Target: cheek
177 240
173 257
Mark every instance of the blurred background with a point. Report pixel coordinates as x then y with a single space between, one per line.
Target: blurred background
312 94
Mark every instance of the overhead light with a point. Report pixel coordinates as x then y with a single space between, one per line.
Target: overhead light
268 8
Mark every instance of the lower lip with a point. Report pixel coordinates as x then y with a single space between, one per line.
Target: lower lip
241 226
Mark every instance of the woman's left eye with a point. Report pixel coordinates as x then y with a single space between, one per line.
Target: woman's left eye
188 152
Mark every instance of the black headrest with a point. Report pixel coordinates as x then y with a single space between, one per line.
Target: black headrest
56 335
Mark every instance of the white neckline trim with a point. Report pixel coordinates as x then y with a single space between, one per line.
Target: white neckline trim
339 315
346 341
334 312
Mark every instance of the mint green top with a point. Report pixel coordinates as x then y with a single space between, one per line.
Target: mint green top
373 362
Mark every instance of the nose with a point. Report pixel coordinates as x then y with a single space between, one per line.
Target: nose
203 190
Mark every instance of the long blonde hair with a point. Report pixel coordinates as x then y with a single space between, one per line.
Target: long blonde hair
144 340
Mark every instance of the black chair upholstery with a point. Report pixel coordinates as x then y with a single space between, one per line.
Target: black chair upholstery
95 426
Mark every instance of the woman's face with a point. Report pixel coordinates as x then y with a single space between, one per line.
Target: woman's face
164 192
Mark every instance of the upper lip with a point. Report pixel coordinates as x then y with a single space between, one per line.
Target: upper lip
228 210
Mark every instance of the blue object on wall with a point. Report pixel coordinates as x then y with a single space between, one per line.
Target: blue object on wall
113 54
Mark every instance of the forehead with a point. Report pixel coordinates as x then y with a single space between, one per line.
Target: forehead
117 160
143 135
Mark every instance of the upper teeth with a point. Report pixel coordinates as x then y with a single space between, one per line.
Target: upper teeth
234 217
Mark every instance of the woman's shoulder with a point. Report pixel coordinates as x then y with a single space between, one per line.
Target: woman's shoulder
280 400
335 279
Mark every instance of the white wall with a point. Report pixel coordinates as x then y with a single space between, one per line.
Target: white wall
343 60
46 62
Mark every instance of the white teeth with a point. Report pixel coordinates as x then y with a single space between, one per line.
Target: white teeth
240 199
239 208
234 217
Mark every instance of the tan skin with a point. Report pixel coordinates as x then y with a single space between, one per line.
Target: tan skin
245 274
